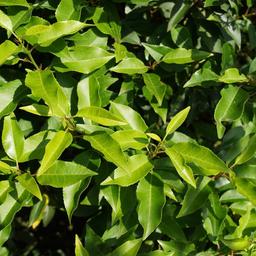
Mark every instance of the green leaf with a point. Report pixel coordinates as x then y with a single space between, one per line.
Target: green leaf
7 49
248 152
232 75
71 195
134 119
68 10
12 138
195 197
47 34
100 116
10 94
237 244
130 139
61 174
14 3
44 85
154 136
5 21
184 56
36 109
201 156
177 121
4 235
155 86
29 183
54 149
79 249
246 188
130 247
130 66
85 59
230 107
138 167
156 51
111 150
202 77
182 168
150 194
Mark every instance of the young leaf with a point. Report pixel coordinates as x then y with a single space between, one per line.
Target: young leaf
61 174
201 156
232 75
54 149
100 116
182 168
29 183
230 107
79 249
12 138
150 194
44 85
184 56
155 86
134 119
7 49
130 66
195 197
138 167
177 121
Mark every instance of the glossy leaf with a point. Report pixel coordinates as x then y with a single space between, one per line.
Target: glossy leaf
61 174
54 149
130 66
150 194
184 56
13 138
44 85
36 109
181 167
130 247
5 21
100 115
155 86
230 107
177 121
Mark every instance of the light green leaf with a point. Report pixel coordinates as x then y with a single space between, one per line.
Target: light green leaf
138 167
5 21
155 86
12 138
156 51
4 236
71 196
246 188
154 136
6 168
248 152
232 75
202 77
130 66
111 150
130 247
54 149
47 34
130 139
134 119
7 49
85 59
184 56
182 168
14 3
237 244
100 116
29 183
79 249
19 15
44 85
61 174
150 194
230 107
68 10
177 121
9 92
36 109
195 197
201 156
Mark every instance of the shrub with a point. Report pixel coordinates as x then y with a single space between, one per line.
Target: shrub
128 127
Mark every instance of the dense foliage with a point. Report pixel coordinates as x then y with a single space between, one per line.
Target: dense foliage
127 127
